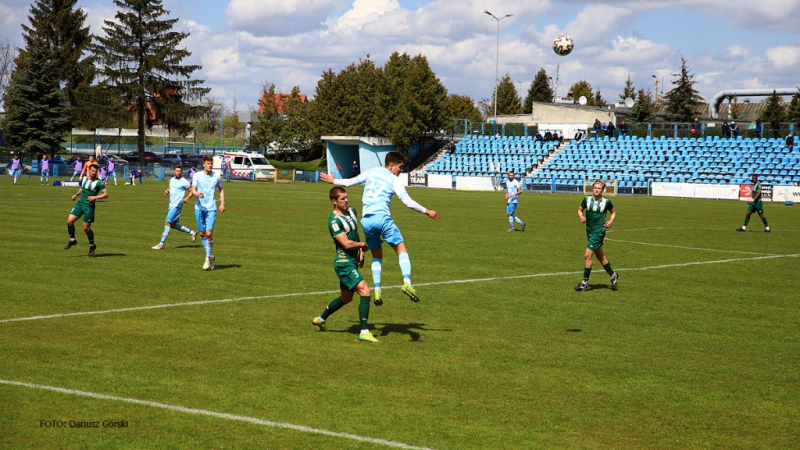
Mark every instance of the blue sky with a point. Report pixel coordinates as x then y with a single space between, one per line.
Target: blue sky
242 44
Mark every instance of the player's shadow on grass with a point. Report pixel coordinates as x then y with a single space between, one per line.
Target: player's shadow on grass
385 329
106 255
227 266
597 286
189 246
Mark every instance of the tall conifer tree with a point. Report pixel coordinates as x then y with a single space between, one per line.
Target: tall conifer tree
540 91
683 101
141 61
37 116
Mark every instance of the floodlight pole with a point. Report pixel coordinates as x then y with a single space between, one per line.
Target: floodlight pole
497 62
655 94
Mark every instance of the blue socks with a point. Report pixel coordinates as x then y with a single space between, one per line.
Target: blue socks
405 266
165 234
376 272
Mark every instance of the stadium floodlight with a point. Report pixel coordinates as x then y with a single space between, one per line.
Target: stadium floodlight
497 61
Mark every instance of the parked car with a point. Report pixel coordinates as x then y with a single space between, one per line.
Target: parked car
194 159
149 158
59 160
175 159
118 161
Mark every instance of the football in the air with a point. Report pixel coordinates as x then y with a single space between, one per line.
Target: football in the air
563 45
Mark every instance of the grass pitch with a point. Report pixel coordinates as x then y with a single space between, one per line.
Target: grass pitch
699 348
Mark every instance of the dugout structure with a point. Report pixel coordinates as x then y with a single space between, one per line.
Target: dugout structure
367 152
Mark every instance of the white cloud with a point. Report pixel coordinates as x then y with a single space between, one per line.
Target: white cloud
279 17
784 57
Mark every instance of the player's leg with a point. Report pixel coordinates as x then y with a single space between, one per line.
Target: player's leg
607 265
372 236
510 208
750 210
362 289
88 219
763 219
200 217
587 269
211 218
393 237
71 219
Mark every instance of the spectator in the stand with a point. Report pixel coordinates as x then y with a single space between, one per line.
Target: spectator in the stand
623 129
695 128
790 141
758 128
548 136
597 128
604 127
726 129
776 128
538 136
734 129
610 129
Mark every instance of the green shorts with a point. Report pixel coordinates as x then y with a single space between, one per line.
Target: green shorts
756 207
595 239
348 274
82 209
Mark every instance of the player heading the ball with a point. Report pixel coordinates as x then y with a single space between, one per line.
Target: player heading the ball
380 185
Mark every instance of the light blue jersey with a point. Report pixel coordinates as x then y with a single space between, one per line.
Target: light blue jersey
177 190
380 185
206 185
513 188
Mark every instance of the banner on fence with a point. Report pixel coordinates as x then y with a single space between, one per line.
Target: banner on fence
417 180
786 194
474 184
716 191
673 190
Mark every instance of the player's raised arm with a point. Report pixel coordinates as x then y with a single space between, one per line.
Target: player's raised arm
402 194
344 182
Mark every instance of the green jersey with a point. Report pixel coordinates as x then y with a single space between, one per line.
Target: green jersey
344 224
90 188
756 191
595 211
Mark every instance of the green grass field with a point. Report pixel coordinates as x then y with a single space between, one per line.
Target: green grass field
698 349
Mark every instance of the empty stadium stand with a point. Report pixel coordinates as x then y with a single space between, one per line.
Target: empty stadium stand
632 161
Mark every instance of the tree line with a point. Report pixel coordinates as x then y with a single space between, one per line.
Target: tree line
134 76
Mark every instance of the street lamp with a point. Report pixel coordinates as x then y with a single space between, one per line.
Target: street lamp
655 94
497 61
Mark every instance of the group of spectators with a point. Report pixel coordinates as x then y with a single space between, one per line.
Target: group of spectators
609 129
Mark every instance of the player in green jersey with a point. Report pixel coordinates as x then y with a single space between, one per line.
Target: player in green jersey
755 206
595 208
92 188
343 226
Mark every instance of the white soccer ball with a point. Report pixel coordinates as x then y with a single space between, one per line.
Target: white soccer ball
563 45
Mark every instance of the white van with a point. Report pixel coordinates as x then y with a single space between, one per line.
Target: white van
243 164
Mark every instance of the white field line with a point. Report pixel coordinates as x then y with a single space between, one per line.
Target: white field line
202 412
691 248
434 283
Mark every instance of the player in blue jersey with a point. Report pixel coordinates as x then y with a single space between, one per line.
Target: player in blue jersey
513 189
380 184
204 187
177 188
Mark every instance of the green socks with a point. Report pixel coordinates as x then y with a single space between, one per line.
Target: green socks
608 268
586 273
363 312
335 305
